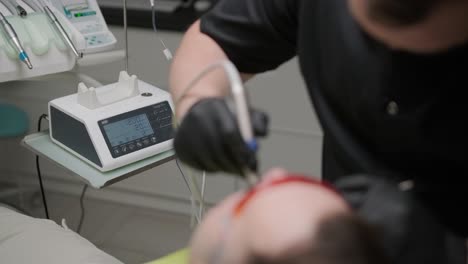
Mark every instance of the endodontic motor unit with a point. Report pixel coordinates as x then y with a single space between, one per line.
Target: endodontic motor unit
114 125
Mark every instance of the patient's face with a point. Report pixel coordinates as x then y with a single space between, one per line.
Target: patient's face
276 220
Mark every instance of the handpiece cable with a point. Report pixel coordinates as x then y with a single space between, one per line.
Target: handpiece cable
82 216
38 168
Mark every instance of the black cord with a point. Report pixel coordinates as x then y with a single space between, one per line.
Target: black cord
38 168
78 230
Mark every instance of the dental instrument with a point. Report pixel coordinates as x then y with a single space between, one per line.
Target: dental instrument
241 107
58 26
11 35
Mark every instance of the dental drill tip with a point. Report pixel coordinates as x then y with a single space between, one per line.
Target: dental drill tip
77 54
28 63
23 56
252 178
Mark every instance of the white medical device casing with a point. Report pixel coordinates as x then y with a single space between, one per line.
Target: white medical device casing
87 18
114 125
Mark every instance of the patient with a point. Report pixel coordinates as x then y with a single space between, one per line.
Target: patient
287 219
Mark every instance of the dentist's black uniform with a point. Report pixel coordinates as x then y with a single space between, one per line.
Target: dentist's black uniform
387 113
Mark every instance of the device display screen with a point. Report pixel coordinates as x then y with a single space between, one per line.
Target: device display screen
127 130
83 14
137 129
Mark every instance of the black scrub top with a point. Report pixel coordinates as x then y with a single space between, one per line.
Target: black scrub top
387 108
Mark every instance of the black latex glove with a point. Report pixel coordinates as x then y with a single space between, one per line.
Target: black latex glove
409 232
209 138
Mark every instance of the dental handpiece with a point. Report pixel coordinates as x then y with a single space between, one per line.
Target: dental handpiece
13 38
244 122
62 31
245 126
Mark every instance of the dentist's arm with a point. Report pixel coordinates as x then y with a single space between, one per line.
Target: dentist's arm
196 52
257 36
208 136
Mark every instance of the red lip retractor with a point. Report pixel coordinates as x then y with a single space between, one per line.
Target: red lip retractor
276 182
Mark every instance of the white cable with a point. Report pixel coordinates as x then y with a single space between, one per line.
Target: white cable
202 74
243 116
237 90
202 205
193 212
192 186
64 224
125 33
167 52
196 189
193 193
240 100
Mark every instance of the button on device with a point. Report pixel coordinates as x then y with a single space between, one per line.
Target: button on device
124 149
153 139
392 108
131 147
139 144
116 151
146 142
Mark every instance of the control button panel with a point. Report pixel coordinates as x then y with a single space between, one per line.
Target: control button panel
95 40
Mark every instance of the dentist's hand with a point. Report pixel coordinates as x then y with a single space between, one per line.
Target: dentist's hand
209 139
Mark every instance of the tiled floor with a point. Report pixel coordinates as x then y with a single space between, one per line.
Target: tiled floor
131 234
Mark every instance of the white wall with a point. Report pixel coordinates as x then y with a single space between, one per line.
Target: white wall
295 141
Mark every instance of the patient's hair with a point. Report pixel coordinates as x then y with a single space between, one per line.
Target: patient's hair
400 12
341 239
